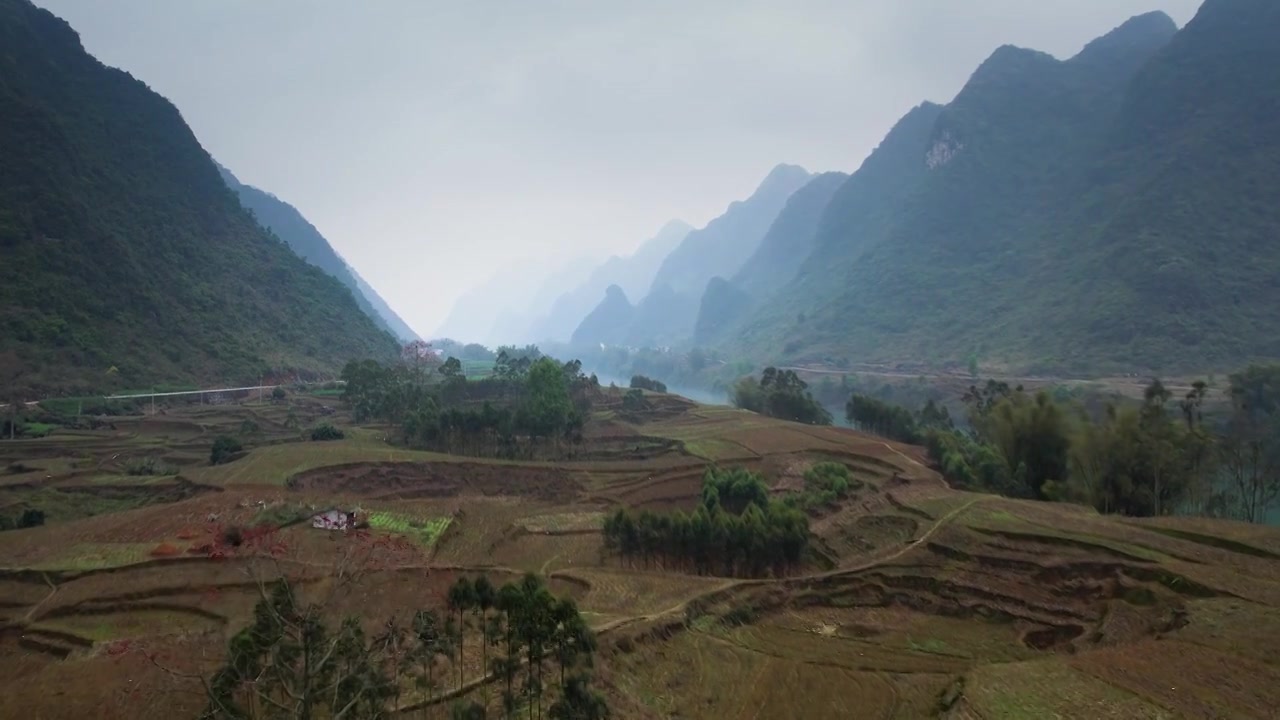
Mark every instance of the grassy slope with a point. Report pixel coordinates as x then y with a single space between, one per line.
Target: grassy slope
121 246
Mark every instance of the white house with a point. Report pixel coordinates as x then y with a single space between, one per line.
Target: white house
333 520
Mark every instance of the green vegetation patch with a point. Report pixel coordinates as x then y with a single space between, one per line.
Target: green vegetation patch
425 530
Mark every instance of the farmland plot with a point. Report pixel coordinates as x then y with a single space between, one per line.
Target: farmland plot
426 530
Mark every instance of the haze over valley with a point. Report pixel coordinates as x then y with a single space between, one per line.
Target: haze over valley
588 360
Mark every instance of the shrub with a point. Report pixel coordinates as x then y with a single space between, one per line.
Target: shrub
326 432
224 450
278 393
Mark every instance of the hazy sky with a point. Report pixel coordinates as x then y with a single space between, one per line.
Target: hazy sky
428 140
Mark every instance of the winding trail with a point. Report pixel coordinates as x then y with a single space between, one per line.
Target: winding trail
680 608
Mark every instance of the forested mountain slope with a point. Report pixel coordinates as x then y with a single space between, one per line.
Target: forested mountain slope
1114 211
290 226
121 246
774 263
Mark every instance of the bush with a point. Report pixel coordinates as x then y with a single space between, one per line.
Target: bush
224 450
278 393
326 432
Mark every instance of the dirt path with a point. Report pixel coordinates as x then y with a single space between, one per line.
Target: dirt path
53 590
682 606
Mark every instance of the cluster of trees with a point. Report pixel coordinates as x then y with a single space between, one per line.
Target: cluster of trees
528 405
885 419
780 394
1160 456
642 382
735 531
529 628
290 662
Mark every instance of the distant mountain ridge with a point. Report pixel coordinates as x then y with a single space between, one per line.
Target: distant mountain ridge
728 241
667 314
511 304
290 226
125 260
1111 212
632 274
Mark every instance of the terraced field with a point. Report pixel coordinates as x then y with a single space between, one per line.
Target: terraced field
919 601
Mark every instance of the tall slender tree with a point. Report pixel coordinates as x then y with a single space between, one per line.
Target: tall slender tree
461 598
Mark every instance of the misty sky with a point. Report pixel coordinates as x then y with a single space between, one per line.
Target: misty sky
430 140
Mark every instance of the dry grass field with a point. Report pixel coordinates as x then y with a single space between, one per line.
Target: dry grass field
920 601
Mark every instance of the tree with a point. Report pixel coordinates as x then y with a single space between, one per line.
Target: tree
431 643
1250 447
633 401
485 596
452 368
461 598
326 432
224 448
640 382
1033 436
780 394
880 418
548 408
289 662
278 393
418 355
578 702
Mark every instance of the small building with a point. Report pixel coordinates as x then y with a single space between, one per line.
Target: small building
334 520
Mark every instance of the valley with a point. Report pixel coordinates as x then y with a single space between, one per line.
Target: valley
915 600
973 415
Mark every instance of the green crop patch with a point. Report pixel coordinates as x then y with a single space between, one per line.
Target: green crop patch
425 530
